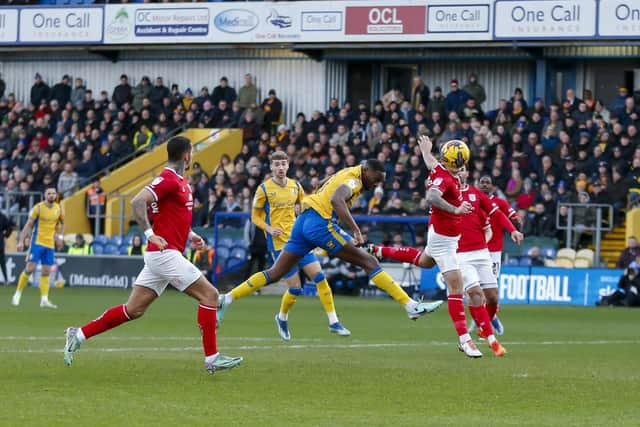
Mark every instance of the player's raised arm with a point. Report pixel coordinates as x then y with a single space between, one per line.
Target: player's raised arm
425 147
139 205
339 203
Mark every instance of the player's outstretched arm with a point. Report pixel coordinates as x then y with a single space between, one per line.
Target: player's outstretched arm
425 147
139 205
434 198
339 203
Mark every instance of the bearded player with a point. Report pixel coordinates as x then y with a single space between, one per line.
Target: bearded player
274 212
317 226
474 257
170 199
447 210
495 248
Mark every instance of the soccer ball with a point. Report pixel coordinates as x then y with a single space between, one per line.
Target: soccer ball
454 154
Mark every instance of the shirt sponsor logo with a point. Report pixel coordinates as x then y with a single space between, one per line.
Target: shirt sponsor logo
383 20
236 21
321 21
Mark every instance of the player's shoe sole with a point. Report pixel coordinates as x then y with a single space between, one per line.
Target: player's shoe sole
337 328
469 349
424 308
71 345
283 328
222 363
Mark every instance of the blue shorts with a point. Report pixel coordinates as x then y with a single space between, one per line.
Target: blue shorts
41 254
311 231
307 259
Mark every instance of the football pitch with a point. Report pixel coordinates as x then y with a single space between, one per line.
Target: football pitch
566 366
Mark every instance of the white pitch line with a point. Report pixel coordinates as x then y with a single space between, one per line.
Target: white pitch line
311 346
152 338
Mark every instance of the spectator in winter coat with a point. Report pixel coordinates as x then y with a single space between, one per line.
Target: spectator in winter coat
419 93
122 93
248 93
61 92
140 92
158 92
437 103
475 89
223 91
455 98
629 253
39 91
272 108
540 224
618 102
77 93
68 180
87 167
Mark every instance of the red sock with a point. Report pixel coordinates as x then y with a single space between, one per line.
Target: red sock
482 319
403 254
115 316
207 323
492 309
456 311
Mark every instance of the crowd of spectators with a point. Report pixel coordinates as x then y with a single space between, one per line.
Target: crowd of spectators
576 150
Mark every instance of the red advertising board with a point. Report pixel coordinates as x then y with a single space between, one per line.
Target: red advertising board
385 20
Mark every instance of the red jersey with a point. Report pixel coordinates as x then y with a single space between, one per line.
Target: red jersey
171 209
443 222
496 242
476 221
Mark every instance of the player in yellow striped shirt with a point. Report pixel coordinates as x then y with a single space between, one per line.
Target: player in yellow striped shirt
274 212
317 226
45 219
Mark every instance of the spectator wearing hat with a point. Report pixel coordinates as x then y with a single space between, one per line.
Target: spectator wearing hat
140 92
80 247
122 93
518 96
223 91
61 92
187 100
475 89
40 91
248 93
272 107
158 92
456 98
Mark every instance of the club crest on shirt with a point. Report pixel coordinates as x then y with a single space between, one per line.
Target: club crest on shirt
437 181
472 197
156 181
331 244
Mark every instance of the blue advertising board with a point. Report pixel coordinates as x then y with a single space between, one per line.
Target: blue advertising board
543 285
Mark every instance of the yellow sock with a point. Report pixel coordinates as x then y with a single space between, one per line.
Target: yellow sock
250 285
288 299
325 295
23 281
44 287
383 281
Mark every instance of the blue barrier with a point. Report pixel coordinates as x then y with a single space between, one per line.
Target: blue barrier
544 285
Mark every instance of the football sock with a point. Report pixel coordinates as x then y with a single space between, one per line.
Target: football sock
288 299
23 281
403 254
383 281
492 309
482 319
207 323
111 318
44 288
326 297
456 312
250 285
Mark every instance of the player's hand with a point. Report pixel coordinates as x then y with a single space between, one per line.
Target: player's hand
274 231
20 246
158 241
517 220
357 236
464 208
517 237
425 144
197 239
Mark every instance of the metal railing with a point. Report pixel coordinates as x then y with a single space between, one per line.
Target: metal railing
17 205
594 222
99 215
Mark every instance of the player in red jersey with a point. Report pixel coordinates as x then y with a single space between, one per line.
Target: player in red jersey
171 202
447 209
495 247
474 258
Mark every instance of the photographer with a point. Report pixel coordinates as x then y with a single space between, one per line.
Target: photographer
627 292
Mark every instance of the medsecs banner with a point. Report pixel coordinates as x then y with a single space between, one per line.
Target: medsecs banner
94 271
542 285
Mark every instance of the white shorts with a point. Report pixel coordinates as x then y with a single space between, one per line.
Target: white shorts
443 250
167 267
496 258
476 269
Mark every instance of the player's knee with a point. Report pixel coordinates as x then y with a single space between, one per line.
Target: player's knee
476 296
210 296
492 297
426 261
370 263
318 278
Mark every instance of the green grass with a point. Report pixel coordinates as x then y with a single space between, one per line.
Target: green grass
391 372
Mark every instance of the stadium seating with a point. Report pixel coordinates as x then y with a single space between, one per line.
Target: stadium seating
101 239
585 255
566 253
98 249
564 263
582 263
115 240
525 261
124 250
110 249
